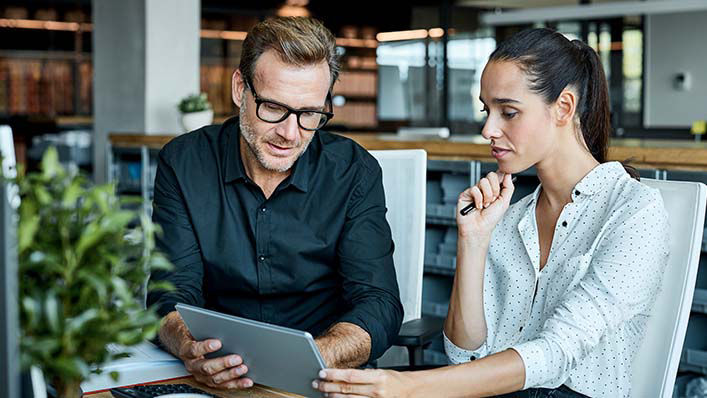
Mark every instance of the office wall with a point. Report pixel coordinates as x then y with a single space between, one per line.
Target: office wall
146 58
172 66
675 43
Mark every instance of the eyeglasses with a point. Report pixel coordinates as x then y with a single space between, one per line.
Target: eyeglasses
274 112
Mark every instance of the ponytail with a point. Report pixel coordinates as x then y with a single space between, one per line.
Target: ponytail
553 63
594 111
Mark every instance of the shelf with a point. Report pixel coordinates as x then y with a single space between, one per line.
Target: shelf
360 69
699 301
48 54
449 166
436 270
441 260
441 214
434 357
124 190
357 98
74 120
447 222
694 361
435 309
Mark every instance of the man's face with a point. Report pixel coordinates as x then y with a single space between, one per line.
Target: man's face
277 146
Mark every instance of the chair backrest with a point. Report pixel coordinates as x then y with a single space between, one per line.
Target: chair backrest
656 365
405 185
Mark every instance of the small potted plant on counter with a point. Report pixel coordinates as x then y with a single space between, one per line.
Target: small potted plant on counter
196 112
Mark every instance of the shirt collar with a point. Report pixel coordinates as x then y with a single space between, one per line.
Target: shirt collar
233 164
596 180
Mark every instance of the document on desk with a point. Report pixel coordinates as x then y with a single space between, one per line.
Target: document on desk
146 363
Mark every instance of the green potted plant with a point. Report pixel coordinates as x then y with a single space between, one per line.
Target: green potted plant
83 263
196 112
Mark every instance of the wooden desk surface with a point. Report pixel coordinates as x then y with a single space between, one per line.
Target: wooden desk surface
257 391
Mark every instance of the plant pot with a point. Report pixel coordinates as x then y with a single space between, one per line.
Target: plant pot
194 120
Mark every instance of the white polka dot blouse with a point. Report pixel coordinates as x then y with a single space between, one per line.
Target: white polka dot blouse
581 320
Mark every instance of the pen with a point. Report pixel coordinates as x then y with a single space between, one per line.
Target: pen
468 208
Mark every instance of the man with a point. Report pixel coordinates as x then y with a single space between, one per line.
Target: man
267 218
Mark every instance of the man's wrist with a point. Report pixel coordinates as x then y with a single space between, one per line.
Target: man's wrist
173 333
344 345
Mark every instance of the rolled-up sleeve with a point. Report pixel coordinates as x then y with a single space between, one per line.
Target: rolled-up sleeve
622 281
457 355
177 240
365 252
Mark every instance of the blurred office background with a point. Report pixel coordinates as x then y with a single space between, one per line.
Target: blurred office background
75 72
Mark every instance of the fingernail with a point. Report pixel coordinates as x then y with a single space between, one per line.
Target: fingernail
315 385
322 374
249 383
232 362
212 345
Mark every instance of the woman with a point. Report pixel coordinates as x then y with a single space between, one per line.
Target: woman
552 294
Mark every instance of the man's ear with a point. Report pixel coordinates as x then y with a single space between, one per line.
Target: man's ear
565 107
237 86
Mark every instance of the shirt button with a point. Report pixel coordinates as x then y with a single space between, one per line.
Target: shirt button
521 329
576 192
564 223
261 258
263 209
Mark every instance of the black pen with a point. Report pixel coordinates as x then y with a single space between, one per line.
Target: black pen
468 208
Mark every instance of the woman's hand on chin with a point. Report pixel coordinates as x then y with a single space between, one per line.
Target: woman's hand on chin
492 197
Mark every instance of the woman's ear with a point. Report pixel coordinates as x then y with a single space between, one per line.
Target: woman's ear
565 107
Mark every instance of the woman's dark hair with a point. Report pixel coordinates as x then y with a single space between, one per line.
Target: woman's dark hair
552 63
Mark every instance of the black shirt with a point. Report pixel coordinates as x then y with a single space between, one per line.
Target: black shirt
317 252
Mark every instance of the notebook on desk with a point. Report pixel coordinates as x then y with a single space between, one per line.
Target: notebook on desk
147 363
276 356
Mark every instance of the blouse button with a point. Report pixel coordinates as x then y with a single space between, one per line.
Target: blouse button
564 223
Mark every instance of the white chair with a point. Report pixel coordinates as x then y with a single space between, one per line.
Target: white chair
656 365
405 186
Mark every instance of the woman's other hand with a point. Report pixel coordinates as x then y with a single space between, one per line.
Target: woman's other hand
354 383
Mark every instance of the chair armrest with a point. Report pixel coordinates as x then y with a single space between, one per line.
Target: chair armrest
419 332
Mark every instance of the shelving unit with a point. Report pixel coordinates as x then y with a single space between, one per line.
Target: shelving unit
66 74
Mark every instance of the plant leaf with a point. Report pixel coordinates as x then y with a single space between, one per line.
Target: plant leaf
50 163
51 311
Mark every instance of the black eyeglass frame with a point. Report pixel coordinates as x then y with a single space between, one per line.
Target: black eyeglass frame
298 112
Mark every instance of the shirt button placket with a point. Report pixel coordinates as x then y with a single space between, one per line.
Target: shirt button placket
261 247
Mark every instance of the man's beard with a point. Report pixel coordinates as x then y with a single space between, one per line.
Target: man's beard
251 139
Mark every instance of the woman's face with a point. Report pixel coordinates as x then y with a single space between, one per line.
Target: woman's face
519 122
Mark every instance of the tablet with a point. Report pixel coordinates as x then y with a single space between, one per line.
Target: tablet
276 356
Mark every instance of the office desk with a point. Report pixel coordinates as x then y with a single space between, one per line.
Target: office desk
256 392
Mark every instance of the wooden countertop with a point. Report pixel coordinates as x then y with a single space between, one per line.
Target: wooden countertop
642 153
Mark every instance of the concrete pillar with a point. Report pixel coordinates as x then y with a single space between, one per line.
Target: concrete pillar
145 58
